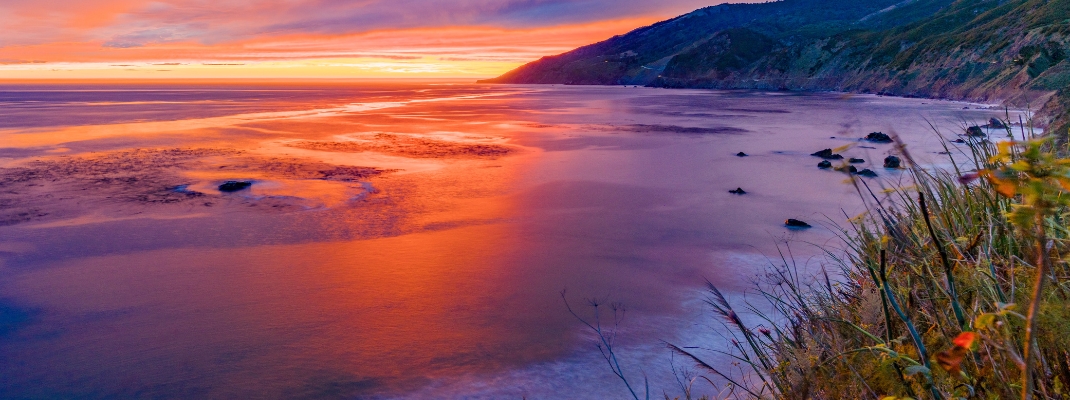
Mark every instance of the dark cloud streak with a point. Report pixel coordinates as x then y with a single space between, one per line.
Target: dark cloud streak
231 21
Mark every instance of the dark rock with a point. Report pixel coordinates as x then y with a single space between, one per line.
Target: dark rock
827 154
234 186
867 173
856 161
741 154
995 123
892 162
959 141
738 191
878 137
975 131
849 169
824 165
794 223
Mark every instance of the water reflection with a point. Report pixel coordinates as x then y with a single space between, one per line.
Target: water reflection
399 240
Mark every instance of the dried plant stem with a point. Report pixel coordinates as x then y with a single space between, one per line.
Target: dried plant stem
914 335
605 345
1028 344
948 270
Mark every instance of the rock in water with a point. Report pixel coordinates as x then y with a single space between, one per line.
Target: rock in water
975 131
742 154
738 191
824 165
827 154
878 137
849 169
892 162
856 161
995 123
234 186
959 141
867 173
794 223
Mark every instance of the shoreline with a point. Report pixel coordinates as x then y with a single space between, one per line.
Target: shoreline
477 251
1047 96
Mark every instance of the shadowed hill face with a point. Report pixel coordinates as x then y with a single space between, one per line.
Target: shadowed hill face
724 53
641 55
984 50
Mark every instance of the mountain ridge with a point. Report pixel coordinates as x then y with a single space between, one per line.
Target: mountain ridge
1010 51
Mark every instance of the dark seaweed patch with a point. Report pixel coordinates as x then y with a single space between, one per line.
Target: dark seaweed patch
690 130
405 146
44 187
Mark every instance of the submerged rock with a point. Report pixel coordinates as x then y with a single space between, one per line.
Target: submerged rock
184 189
742 154
867 173
878 137
824 165
738 191
892 162
856 161
234 186
959 141
827 154
794 223
975 131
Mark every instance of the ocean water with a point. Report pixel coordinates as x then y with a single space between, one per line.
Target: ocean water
405 239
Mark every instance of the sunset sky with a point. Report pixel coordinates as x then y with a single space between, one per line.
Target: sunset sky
166 39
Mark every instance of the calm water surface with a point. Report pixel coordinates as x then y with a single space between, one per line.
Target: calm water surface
400 239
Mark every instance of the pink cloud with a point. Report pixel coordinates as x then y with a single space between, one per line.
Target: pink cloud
248 30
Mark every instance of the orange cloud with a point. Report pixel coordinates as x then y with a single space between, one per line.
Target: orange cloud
75 39
430 52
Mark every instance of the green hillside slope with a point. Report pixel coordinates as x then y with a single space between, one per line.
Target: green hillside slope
984 50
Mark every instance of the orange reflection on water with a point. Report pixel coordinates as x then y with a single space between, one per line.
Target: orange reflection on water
347 308
352 316
444 270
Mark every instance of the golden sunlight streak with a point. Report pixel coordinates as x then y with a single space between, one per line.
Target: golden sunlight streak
423 53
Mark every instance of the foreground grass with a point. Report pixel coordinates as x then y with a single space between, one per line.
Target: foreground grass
955 287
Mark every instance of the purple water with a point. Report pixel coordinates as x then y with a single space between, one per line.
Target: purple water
402 239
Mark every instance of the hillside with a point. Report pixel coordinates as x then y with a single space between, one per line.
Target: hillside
984 50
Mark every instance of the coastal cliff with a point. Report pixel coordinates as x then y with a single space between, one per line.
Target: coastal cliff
1010 51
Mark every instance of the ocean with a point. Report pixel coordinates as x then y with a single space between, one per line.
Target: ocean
408 239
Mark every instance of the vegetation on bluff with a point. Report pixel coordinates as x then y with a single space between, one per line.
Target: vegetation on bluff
955 287
984 50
